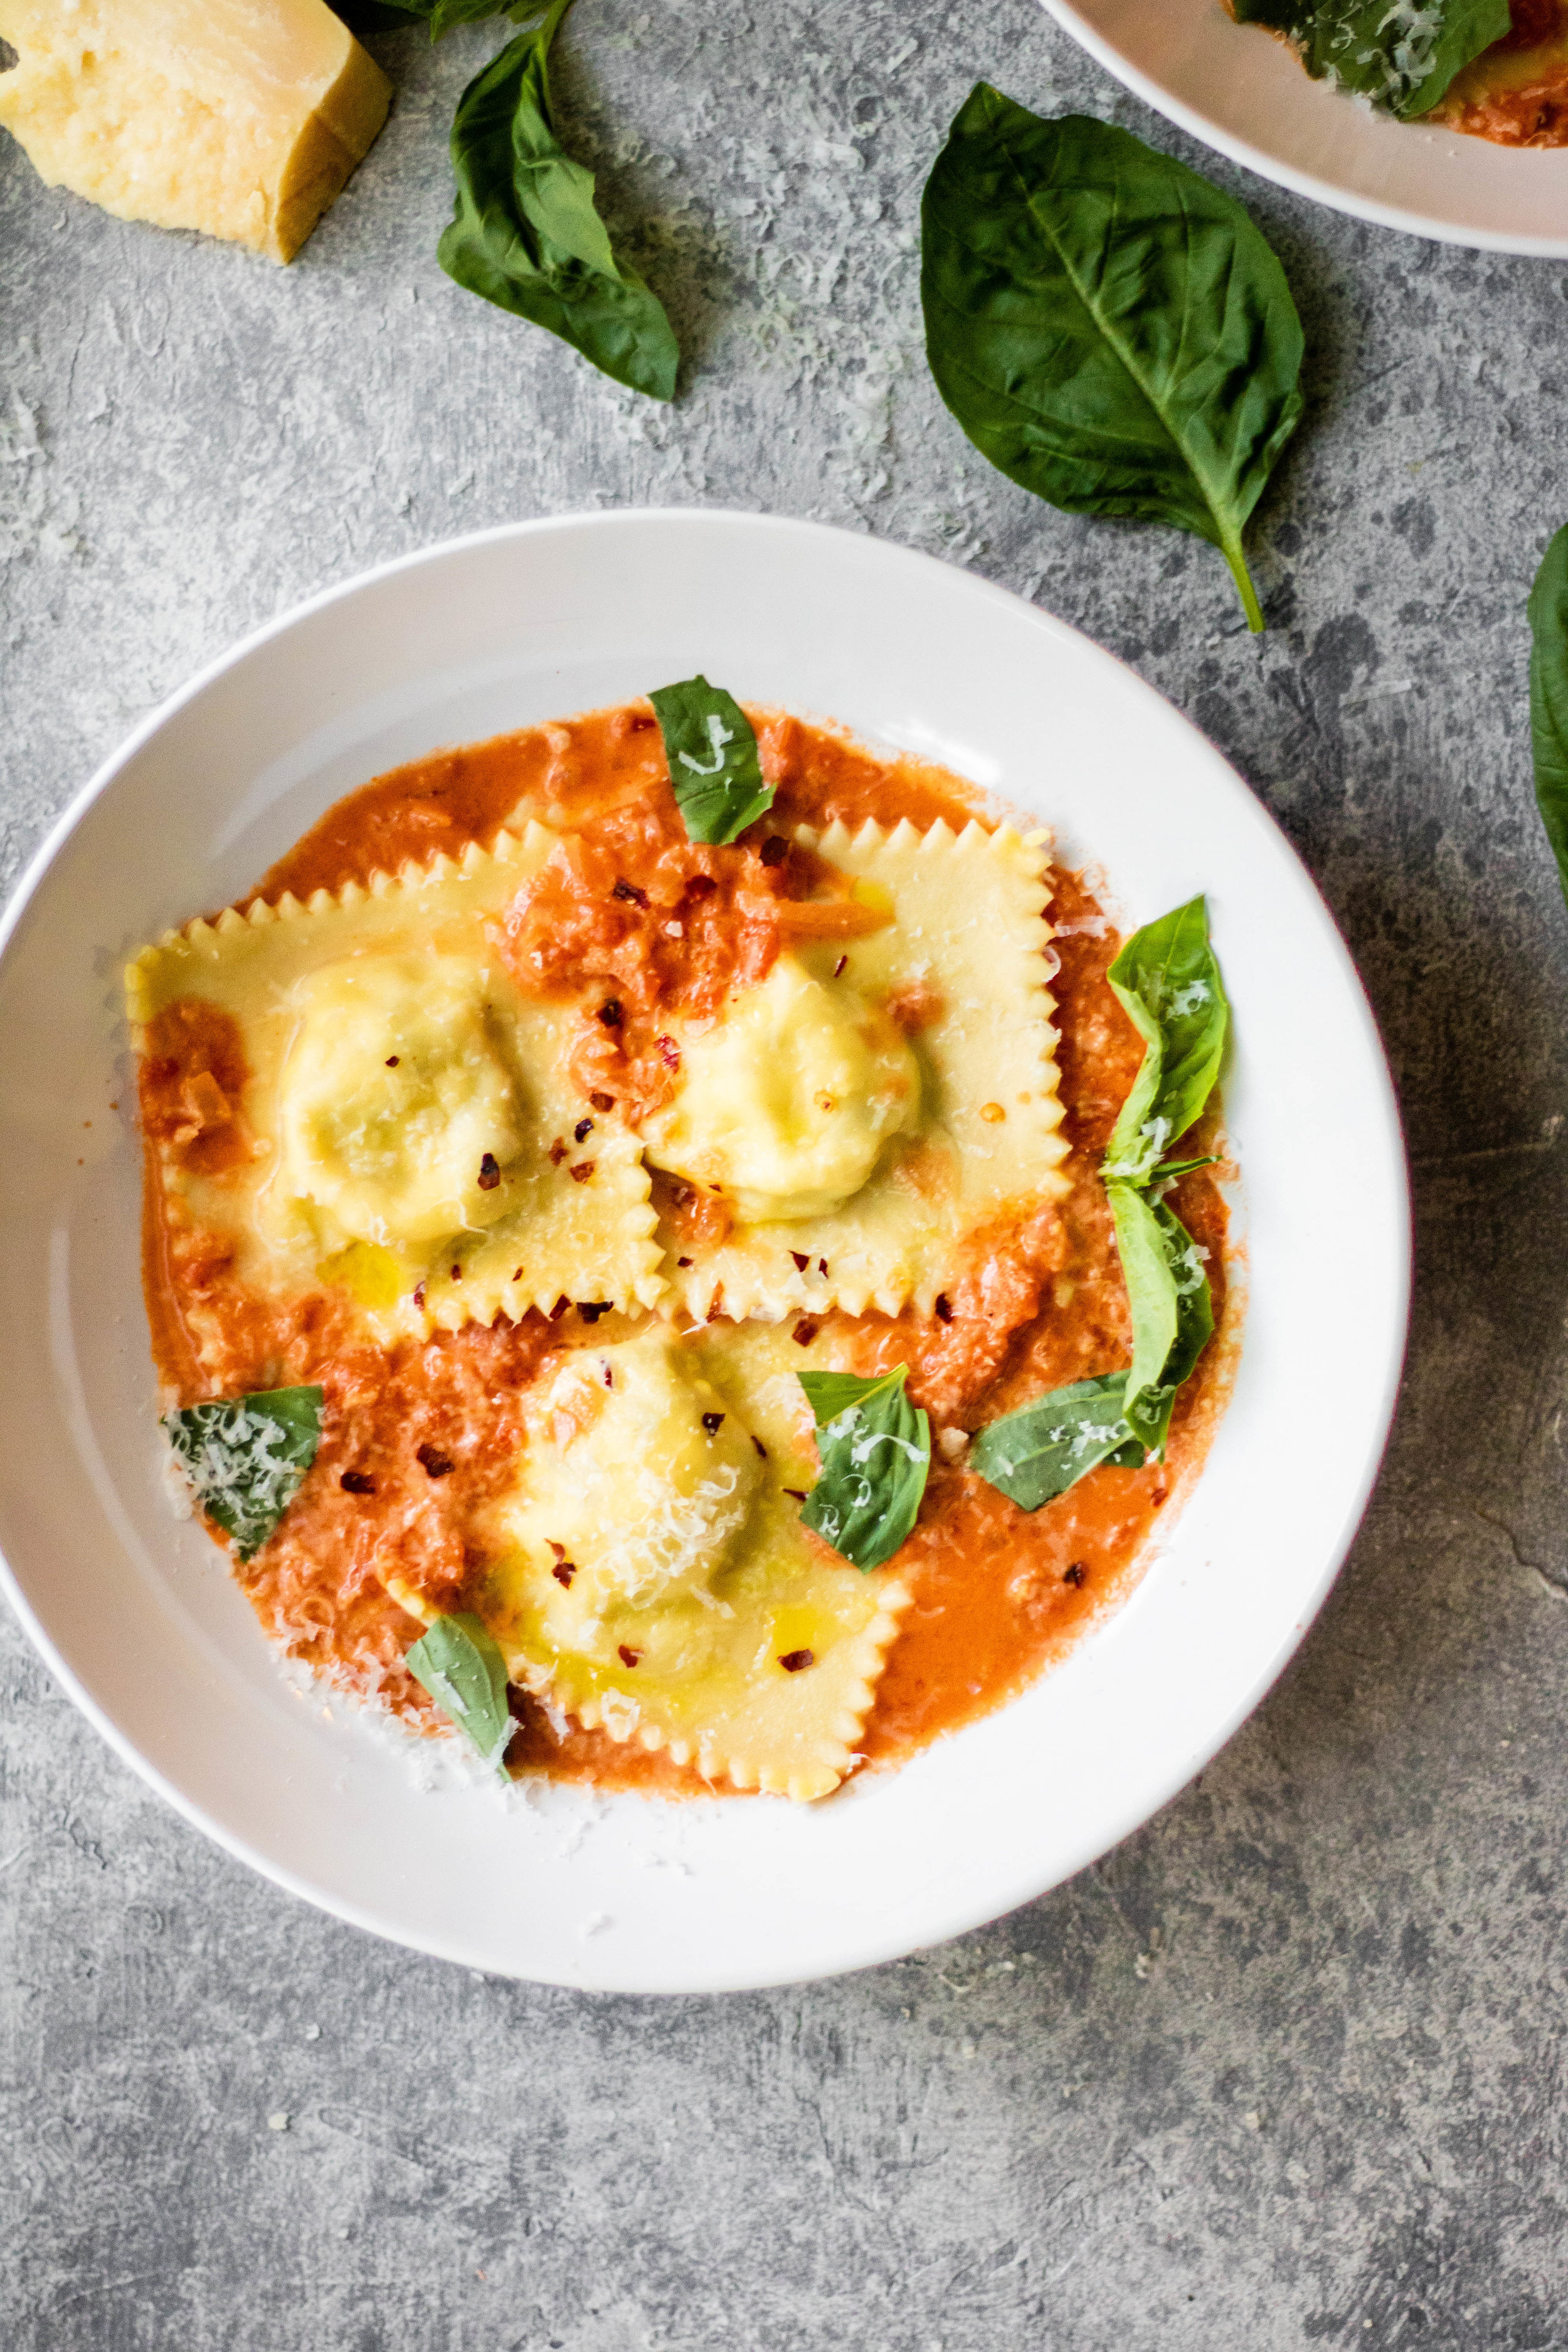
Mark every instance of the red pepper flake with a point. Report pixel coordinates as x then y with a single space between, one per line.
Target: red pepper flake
517 1275
457 1274
792 1661
1075 1574
557 1152
943 1307
564 1571
701 886
669 1052
609 1012
558 1309
775 849
559 1550
839 966
802 1260
354 1482
602 1102
434 1462
683 1261
804 1334
583 1170
610 1376
419 1294
590 1309
490 1173
762 1449
393 1060
712 1422
1159 1493
627 1657
639 724
795 1494
584 1129
629 890
822 1265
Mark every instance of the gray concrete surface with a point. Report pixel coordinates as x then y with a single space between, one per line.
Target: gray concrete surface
1287 2069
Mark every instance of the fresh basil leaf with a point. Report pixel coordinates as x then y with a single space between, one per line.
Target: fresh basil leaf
1151 1285
1037 1453
1402 54
1107 327
1549 696
1167 981
1148 1410
875 1458
714 769
245 1456
526 234
464 1672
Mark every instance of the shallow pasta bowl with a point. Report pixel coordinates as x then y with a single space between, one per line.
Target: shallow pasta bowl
1241 91
136 1612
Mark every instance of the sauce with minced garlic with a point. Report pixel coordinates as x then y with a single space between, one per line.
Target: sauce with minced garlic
419 1437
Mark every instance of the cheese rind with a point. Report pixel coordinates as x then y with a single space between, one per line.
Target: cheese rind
242 118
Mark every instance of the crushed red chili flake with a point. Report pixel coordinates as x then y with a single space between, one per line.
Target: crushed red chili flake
629 890
640 723
457 1274
627 1657
393 1060
792 1661
564 1571
802 1260
804 1334
590 1309
419 1294
683 1261
557 1152
559 1550
434 1462
762 1449
517 1274
839 966
609 1012
822 1265
583 1170
602 1102
354 1482
490 1173
1075 1574
775 849
584 1129
712 1422
943 1307
700 886
558 1309
669 1052
795 1494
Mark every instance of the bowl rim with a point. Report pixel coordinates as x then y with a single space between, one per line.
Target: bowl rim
873 1949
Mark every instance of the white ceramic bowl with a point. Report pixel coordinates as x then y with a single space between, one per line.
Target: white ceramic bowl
1237 88
137 1613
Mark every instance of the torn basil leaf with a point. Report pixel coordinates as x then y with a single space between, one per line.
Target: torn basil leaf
714 769
245 1457
1166 980
1172 1308
1549 696
1037 1453
1402 54
526 233
459 1665
875 1458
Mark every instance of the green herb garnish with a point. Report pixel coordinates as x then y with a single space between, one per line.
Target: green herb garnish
875 1458
714 769
459 1665
1549 696
1402 54
245 1457
526 233
1167 981
1107 327
1037 1453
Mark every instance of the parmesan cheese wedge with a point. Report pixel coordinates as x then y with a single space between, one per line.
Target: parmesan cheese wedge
243 118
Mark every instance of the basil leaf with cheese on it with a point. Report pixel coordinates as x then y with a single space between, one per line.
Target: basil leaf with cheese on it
526 233
1037 1453
714 769
1166 980
245 1457
1549 696
1107 327
1402 54
458 1663
1172 1308
875 1458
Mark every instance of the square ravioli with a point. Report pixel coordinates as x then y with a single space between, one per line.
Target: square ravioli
353 1093
873 1102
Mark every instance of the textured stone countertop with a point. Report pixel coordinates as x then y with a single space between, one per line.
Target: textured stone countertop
1286 2068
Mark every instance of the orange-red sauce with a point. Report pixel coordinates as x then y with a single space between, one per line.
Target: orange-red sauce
419 1437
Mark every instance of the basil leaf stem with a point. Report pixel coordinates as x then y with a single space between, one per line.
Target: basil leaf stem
875 1458
1107 327
1166 980
526 233
245 1456
1549 696
1402 54
714 769
458 1663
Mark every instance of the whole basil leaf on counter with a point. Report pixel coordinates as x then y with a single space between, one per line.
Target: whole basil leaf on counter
1037 1453
1549 696
1107 327
459 1665
714 769
1402 54
245 1457
1167 980
526 234
875 1458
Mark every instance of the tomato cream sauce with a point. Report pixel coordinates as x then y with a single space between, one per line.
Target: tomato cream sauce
419 1438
